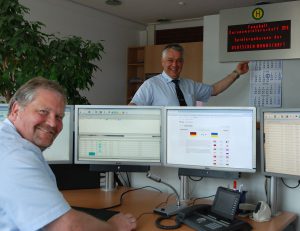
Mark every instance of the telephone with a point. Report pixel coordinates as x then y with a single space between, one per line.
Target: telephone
185 213
197 217
218 217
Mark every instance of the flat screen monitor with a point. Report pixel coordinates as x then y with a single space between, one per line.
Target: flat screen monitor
3 112
61 151
116 136
211 138
280 142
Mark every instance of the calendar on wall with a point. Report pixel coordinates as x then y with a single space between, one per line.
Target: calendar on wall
266 83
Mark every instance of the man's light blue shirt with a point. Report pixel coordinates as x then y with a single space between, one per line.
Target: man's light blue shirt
29 198
160 91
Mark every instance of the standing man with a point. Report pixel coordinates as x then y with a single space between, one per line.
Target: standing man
168 89
29 197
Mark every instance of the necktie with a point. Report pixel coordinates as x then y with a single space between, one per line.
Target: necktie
179 93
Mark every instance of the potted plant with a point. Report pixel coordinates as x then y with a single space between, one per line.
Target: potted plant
26 52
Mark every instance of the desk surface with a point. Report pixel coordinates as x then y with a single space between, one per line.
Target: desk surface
142 202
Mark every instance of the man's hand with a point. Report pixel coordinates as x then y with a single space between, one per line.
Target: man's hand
242 68
123 222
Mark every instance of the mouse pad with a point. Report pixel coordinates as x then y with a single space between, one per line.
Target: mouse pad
102 214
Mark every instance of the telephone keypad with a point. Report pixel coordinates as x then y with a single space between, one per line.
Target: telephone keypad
213 225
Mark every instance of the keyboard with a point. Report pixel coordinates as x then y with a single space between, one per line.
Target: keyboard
102 214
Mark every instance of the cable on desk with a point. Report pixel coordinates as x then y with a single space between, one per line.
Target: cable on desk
117 179
166 201
130 190
266 185
199 198
142 214
291 187
157 189
121 177
128 180
159 220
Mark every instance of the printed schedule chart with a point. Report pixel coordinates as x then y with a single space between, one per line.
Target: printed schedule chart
266 83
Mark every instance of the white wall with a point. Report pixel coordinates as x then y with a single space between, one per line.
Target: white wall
68 18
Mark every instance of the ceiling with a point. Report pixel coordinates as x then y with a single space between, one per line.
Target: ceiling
149 11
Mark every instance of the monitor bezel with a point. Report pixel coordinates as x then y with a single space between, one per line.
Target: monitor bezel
262 151
208 168
71 141
116 163
4 106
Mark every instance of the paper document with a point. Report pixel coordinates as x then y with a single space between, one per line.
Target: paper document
265 83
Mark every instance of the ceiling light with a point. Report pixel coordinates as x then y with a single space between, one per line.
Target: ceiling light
181 3
113 2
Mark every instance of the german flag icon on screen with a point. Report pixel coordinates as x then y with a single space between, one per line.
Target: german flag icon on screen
193 133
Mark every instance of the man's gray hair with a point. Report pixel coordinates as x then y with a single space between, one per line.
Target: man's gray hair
173 46
27 92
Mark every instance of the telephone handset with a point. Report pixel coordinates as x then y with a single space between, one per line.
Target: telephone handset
188 211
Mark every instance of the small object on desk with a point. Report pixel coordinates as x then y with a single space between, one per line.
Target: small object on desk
241 188
246 209
243 196
262 212
234 185
102 214
247 206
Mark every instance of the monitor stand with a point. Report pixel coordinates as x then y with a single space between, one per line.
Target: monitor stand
110 184
110 169
273 196
184 173
184 194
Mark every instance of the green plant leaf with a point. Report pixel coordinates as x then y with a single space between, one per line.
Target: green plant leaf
26 52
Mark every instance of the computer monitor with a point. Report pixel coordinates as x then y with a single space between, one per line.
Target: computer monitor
3 112
211 138
280 146
61 151
118 138
280 149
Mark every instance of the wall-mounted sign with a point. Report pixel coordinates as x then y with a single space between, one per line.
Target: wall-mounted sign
266 32
259 36
258 13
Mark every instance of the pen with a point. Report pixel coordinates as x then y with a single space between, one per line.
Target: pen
234 185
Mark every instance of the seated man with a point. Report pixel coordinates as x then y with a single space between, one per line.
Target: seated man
29 197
